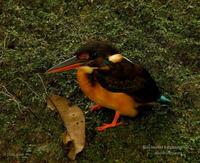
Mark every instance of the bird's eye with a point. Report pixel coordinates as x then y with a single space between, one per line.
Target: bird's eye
84 56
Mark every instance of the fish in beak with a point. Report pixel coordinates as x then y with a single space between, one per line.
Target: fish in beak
69 64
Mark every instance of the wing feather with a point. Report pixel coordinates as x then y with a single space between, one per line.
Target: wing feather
129 78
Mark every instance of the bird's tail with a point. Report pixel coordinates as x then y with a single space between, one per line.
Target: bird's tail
163 100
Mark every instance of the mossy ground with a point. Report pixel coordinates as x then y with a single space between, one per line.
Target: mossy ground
161 35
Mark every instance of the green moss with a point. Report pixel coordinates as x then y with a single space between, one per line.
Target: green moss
161 35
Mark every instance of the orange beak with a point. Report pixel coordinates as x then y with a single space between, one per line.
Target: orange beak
69 64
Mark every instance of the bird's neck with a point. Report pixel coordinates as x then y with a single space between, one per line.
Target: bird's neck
86 80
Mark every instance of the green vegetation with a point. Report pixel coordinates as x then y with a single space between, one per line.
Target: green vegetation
162 35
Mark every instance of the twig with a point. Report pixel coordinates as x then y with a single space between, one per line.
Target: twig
12 97
45 90
29 87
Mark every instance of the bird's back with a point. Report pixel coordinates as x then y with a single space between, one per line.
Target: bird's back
129 78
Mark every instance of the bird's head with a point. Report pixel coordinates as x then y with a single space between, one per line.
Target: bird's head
91 56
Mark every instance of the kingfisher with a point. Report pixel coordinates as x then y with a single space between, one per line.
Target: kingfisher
111 80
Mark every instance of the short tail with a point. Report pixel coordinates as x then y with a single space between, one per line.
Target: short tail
164 100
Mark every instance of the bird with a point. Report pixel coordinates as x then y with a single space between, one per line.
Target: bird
111 80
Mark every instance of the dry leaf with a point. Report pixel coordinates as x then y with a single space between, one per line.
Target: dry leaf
74 121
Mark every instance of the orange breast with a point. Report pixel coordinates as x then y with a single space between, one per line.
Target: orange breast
117 101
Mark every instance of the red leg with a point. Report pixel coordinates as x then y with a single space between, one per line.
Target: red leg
109 125
95 107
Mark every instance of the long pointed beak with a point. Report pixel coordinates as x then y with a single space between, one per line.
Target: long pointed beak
69 64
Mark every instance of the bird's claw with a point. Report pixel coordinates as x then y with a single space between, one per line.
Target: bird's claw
108 125
95 107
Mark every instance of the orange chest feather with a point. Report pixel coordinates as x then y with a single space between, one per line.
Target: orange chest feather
112 100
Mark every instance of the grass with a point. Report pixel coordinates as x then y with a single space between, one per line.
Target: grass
161 35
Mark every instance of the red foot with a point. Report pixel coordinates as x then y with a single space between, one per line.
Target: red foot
108 125
95 107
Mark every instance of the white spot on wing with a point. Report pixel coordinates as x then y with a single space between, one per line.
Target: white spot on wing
115 58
